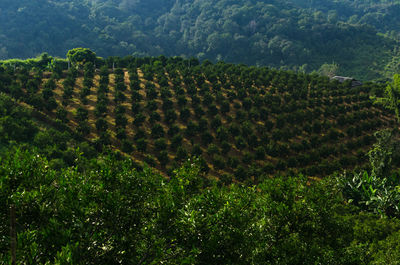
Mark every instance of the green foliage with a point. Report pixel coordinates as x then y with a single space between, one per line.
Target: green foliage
81 56
391 100
279 221
374 193
296 35
380 156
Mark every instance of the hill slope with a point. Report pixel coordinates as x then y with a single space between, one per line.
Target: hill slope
242 121
288 34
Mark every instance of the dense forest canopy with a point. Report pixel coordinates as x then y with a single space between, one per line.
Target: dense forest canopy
359 36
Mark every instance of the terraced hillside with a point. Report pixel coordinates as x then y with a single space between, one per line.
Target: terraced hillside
242 122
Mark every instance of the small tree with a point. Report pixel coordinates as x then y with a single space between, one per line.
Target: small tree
163 158
141 144
101 125
380 156
160 144
82 114
391 100
80 56
181 154
127 146
61 114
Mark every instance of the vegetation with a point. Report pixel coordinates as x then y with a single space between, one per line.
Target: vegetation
167 160
269 121
359 37
112 214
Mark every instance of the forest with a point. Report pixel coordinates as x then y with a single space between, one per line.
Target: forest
149 160
360 37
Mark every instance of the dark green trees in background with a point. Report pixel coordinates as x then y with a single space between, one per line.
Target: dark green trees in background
322 35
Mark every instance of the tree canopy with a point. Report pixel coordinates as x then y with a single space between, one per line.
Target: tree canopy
358 36
81 56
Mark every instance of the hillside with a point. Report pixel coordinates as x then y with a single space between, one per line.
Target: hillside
243 122
239 162
359 36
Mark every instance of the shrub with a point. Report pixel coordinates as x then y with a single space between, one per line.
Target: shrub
150 160
83 128
241 173
160 144
191 129
157 131
61 114
127 146
206 138
139 119
176 141
163 158
240 142
141 144
82 114
260 153
212 149
225 107
120 120
173 130
184 114
181 154
170 116
101 125
218 161
121 134
196 150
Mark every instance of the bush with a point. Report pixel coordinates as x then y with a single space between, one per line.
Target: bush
173 130
127 146
240 142
163 158
170 116
184 114
120 120
191 129
196 150
83 128
226 179
181 154
212 149
157 131
121 134
82 114
101 125
61 114
160 144
218 161
241 173
260 153
206 138
150 160
141 145
139 119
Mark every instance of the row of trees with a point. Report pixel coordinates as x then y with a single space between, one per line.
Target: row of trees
255 118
